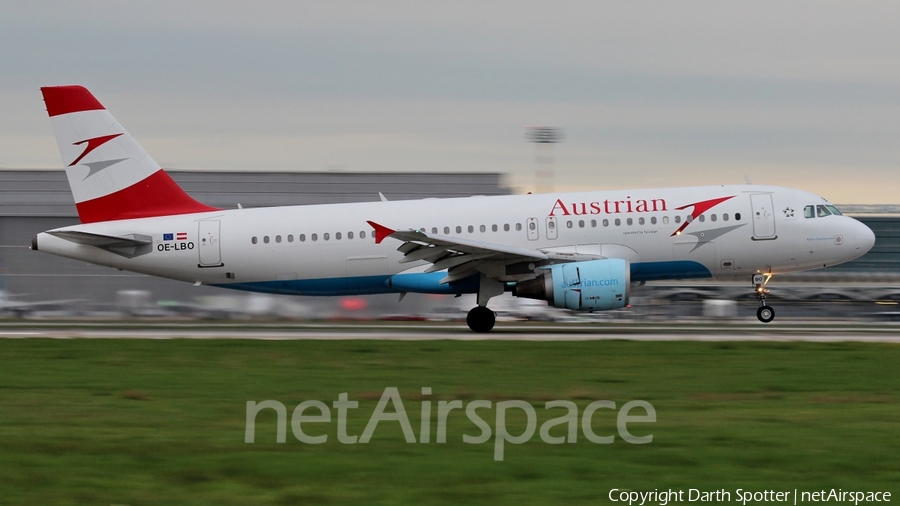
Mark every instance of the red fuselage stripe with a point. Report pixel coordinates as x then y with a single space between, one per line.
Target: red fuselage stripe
157 195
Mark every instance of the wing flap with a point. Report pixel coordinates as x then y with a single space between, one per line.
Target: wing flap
461 257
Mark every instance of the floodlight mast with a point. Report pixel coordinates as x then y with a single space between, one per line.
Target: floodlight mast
543 138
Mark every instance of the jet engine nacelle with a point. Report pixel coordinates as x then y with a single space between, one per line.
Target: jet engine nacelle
595 285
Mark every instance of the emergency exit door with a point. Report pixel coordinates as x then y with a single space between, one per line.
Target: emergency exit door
532 225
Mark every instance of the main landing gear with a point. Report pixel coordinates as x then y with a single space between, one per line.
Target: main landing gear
480 319
765 313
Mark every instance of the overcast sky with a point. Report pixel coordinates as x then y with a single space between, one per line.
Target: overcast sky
801 94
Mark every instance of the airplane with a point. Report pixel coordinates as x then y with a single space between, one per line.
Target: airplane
581 251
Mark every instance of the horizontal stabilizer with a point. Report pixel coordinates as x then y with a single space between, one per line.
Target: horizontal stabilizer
104 241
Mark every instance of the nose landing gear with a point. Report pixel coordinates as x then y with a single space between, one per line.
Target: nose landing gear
765 313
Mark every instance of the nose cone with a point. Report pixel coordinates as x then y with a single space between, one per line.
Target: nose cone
865 238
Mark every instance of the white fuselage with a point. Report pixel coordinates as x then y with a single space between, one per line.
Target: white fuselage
331 250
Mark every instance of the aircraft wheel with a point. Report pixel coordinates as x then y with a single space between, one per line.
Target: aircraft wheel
765 314
480 319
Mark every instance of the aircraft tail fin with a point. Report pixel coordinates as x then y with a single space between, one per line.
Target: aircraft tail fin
110 174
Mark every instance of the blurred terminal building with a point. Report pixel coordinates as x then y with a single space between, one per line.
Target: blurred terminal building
32 201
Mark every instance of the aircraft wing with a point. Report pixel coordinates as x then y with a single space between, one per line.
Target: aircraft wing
464 257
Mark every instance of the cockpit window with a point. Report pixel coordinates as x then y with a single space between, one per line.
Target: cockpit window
833 210
822 211
809 212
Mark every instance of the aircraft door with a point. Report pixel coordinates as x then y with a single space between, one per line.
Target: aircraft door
208 243
551 227
763 216
531 224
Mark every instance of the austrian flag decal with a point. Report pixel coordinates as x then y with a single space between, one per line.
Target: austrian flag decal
180 236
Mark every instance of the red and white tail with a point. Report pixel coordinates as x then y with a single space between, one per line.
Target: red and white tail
110 174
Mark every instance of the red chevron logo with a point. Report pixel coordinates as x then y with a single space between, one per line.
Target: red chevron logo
92 144
699 208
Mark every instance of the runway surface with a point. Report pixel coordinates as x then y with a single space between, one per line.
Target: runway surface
815 331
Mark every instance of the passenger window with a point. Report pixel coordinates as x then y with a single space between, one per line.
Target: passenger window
665 220
493 228
278 238
253 240
618 222
713 217
446 230
362 235
834 210
302 237
532 226
677 219
325 236
653 220
506 227
314 237
569 224
737 216
551 225
605 223
433 230
290 238
518 227
630 222
471 229
458 229
580 223
266 239
640 221
481 228
724 216
809 212
349 235
593 223
689 218
337 236
822 211
702 218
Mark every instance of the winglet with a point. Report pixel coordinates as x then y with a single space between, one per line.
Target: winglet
380 231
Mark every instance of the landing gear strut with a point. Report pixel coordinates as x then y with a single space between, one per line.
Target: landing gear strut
765 313
480 319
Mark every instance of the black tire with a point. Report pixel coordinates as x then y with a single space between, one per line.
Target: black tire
480 319
765 314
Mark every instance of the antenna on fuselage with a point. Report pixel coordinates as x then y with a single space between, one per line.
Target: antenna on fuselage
747 179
